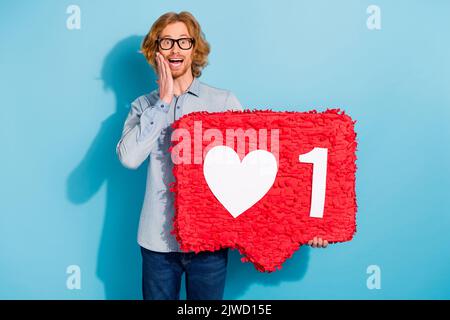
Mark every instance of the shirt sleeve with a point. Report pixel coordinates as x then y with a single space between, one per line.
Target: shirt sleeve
141 131
232 103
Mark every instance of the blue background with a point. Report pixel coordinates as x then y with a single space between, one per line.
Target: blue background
66 200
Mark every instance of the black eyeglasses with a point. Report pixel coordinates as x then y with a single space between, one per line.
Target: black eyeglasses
183 43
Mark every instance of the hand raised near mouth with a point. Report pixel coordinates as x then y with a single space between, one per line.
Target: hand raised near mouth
165 79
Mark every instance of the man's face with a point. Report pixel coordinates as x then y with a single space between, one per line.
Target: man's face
175 31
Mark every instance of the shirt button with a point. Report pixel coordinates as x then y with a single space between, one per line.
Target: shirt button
151 122
162 106
178 107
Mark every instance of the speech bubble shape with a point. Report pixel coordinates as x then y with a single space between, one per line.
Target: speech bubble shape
312 195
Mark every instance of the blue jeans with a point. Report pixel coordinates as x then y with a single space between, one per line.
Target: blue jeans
205 274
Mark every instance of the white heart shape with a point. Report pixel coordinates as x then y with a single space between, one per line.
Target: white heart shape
239 185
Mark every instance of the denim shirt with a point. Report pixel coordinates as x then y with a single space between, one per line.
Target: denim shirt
147 134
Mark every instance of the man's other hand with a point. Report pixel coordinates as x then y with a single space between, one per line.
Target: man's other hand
318 243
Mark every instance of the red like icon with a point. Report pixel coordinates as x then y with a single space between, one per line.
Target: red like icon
263 182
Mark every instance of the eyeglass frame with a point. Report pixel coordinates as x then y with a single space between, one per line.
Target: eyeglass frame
158 42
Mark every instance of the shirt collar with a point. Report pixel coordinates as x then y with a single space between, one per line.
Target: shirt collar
194 88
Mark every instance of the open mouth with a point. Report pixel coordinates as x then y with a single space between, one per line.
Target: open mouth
175 62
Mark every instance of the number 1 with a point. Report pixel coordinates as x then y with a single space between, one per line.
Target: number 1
318 157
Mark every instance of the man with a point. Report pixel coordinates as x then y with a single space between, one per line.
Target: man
176 48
